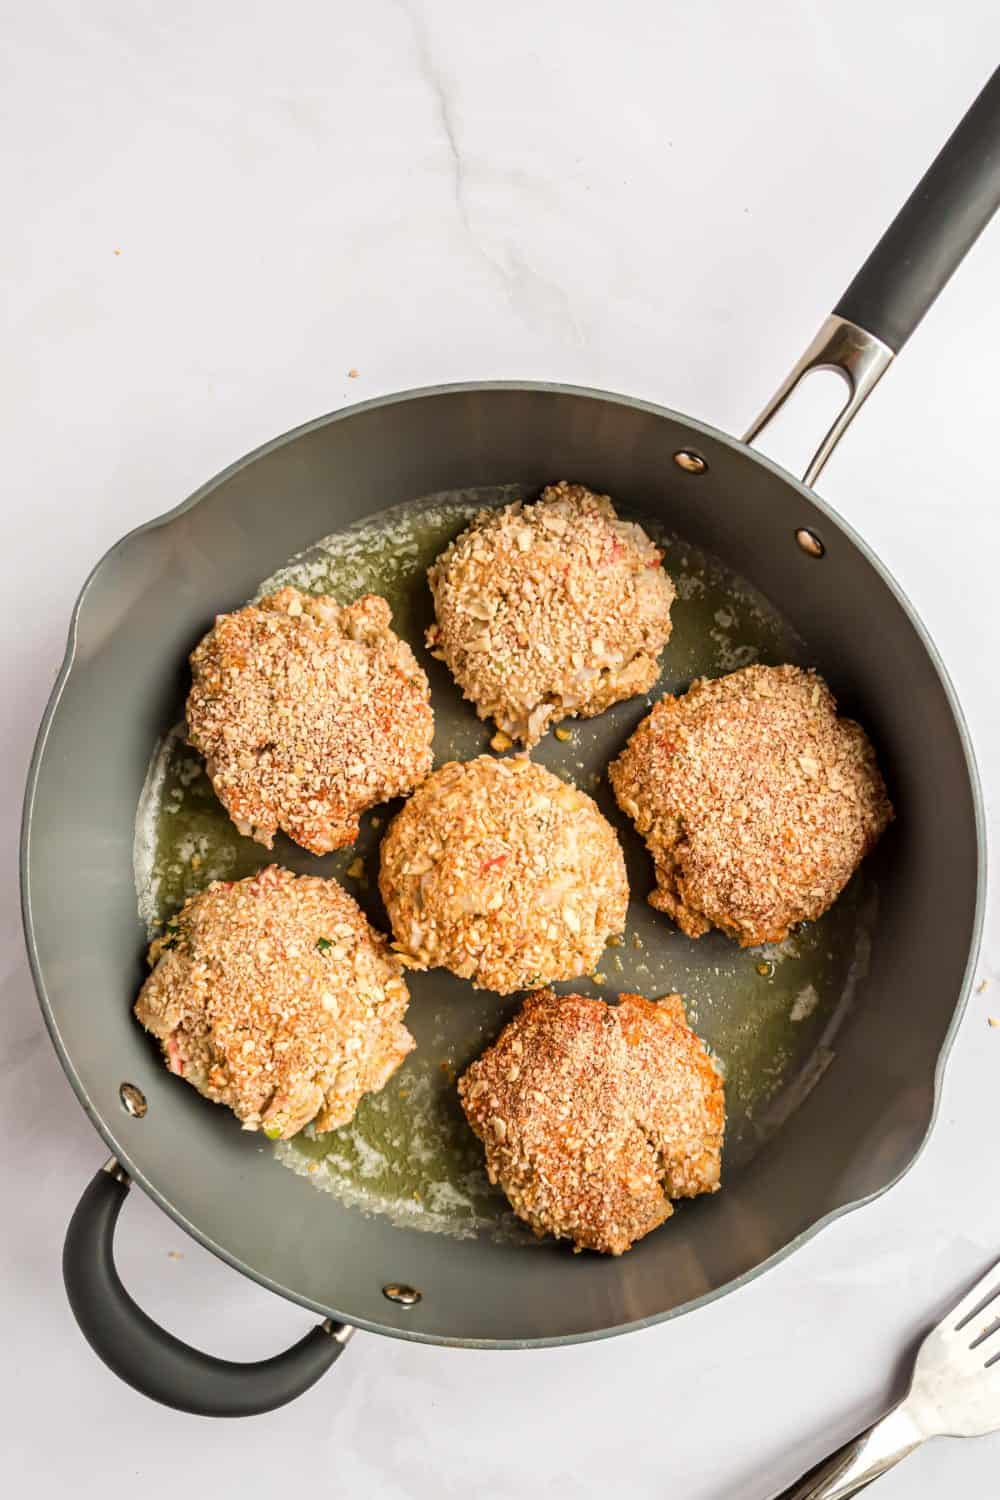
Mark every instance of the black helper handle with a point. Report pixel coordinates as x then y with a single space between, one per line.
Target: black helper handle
152 1360
937 225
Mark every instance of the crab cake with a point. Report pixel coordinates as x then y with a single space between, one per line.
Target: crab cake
594 1116
756 801
548 610
274 996
307 715
502 873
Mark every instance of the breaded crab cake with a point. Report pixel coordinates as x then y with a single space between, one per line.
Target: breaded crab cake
307 715
756 801
502 873
548 610
274 996
595 1116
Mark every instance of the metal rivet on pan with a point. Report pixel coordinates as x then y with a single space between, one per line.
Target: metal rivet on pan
690 462
407 1296
809 542
133 1100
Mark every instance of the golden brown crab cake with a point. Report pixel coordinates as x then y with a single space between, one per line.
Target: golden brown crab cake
502 873
274 996
308 714
548 610
594 1116
756 801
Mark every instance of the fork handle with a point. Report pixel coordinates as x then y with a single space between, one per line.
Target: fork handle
853 1467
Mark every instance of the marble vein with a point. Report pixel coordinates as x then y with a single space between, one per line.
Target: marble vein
537 300
435 81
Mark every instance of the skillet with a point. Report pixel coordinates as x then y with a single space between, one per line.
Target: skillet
834 1045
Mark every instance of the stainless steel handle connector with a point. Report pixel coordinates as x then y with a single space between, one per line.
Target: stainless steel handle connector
853 353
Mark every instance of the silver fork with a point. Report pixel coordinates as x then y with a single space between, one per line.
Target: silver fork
954 1392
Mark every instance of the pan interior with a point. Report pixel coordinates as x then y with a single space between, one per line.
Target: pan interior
769 1014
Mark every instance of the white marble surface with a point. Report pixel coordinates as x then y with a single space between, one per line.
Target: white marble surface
213 212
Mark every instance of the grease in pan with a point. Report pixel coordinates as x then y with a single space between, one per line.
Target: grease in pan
408 1154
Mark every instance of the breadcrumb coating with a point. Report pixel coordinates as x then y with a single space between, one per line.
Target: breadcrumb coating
307 715
502 873
593 1116
549 610
756 801
274 996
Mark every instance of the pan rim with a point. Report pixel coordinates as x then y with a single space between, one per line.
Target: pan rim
828 512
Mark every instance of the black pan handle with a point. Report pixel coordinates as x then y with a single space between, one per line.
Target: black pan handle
924 244
934 230
152 1360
